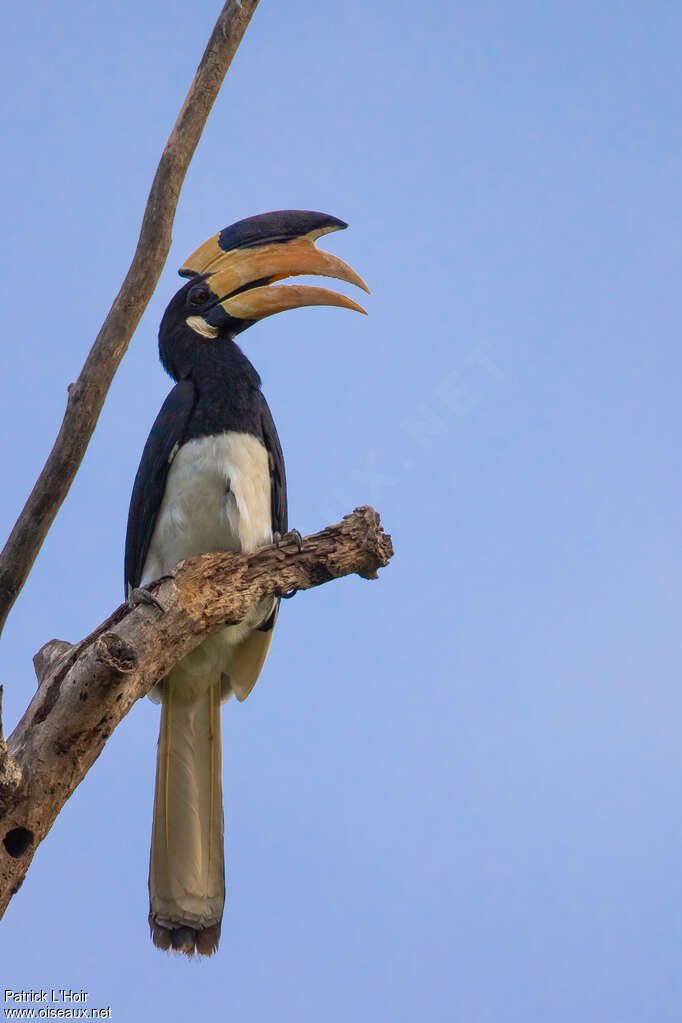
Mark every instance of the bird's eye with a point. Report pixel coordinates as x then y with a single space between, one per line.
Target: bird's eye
199 294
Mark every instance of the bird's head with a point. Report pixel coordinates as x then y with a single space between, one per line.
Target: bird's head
232 281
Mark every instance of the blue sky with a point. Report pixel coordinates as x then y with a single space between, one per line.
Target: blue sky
454 793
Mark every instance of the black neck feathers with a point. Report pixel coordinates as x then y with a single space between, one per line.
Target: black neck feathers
226 385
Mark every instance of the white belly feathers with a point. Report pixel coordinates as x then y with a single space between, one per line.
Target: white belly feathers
217 498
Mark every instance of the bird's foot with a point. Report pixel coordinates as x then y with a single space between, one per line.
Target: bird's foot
293 536
141 595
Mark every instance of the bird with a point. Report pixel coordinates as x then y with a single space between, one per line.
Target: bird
212 478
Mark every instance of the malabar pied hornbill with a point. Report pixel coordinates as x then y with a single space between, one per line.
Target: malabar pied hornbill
212 478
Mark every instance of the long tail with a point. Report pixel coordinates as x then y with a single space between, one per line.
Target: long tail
187 869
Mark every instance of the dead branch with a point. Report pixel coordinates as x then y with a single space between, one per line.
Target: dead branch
84 690
87 394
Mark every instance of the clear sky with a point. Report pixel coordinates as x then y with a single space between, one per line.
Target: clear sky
454 794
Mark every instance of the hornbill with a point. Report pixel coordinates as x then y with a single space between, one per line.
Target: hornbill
211 478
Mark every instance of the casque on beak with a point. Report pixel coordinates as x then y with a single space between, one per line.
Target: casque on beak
241 264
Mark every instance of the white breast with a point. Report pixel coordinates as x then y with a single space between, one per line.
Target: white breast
217 498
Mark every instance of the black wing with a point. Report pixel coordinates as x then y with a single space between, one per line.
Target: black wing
278 491
278 480
166 434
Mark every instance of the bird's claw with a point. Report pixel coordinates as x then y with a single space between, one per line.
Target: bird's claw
293 536
140 595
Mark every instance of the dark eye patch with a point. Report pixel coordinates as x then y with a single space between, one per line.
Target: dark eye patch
199 294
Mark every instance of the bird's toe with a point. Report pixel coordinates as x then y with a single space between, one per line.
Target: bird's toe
293 536
141 595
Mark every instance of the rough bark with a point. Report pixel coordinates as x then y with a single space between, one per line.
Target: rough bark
84 690
87 394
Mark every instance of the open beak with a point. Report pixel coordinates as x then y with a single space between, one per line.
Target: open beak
241 264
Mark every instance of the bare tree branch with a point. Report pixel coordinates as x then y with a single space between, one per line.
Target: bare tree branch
87 394
85 690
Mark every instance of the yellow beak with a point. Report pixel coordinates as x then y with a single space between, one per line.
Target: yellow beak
242 279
